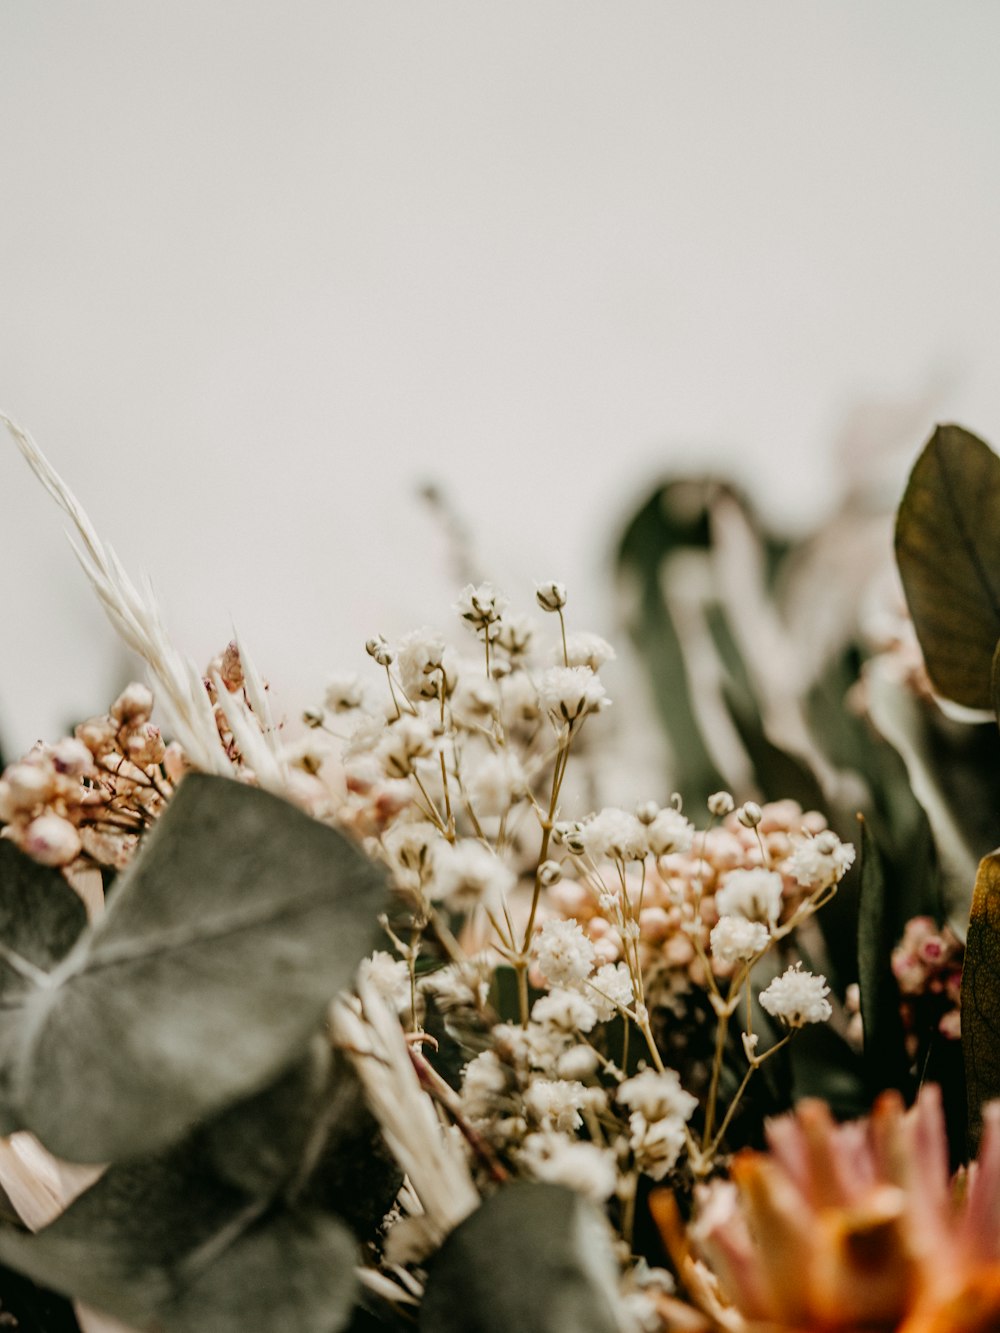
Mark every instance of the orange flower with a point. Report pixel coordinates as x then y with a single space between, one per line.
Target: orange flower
849 1228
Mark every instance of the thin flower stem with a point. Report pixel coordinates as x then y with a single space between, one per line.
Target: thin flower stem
562 629
753 1066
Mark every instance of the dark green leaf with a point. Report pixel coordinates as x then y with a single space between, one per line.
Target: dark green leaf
981 995
222 945
948 551
213 1234
995 681
535 1258
885 1058
41 919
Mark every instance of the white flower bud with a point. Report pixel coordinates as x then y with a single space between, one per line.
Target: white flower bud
720 804
647 812
379 649
51 841
71 757
28 785
750 814
313 717
134 704
550 596
549 873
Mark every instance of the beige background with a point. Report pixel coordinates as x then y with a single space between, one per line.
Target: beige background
264 268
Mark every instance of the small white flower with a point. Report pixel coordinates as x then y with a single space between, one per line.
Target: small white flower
566 1010
583 1167
615 834
389 977
670 832
609 988
658 1096
496 783
475 701
571 692
411 846
587 650
514 636
754 894
564 954
579 1062
420 661
721 803
459 985
734 939
378 649
749 814
467 873
486 1082
343 694
550 596
797 998
656 1144
820 862
481 607
555 1103
538 1046
408 739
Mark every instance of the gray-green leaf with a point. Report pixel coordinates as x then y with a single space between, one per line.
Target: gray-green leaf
213 1234
948 551
222 945
536 1258
981 996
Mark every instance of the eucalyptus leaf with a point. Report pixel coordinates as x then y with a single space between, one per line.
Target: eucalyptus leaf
41 919
981 995
948 551
535 1258
220 950
884 1053
216 1233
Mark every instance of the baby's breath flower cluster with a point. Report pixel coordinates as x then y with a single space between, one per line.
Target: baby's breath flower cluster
454 758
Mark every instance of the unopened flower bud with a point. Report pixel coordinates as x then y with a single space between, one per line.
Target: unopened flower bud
550 596
134 704
379 649
145 747
749 814
51 841
826 843
28 785
98 735
231 668
71 757
175 762
720 803
647 812
549 873
313 717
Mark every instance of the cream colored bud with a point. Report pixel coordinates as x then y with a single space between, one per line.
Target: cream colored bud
134 704
145 746
29 785
175 762
647 812
549 873
313 717
231 668
98 735
749 814
51 841
72 757
379 649
720 803
550 596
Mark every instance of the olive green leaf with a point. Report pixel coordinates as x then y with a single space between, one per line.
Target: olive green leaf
41 919
981 995
215 1233
221 948
536 1258
885 1058
948 551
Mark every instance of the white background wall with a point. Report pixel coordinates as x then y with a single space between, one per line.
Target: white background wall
266 267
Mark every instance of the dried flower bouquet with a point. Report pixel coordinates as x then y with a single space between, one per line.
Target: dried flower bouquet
382 1028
